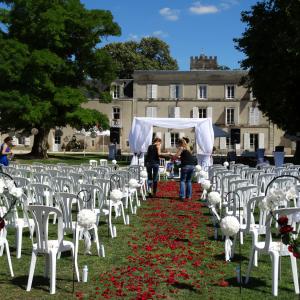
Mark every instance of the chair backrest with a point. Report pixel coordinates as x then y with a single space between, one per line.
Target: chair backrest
62 184
135 170
103 172
252 203
37 169
116 181
90 175
93 162
89 195
55 173
21 181
270 220
103 184
263 180
234 184
103 162
40 215
44 178
66 202
40 194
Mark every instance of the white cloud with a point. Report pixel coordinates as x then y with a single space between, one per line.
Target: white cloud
200 9
160 33
169 14
226 4
133 36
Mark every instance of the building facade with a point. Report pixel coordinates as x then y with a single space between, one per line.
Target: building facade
215 94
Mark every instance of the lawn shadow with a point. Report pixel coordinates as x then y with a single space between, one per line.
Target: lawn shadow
237 258
185 286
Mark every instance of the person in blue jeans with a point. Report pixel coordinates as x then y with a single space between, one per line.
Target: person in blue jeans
187 169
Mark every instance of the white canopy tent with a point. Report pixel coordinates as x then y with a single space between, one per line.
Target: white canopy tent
140 136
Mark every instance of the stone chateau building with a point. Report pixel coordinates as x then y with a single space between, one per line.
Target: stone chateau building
203 92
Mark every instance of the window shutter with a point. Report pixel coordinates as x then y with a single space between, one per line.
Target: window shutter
256 116
158 134
209 112
176 112
154 91
171 111
27 141
246 141
225 116
236 116
223 143
195 112
261 140
167 140
149 91
121 89
151 112
173 91
251 116
181 91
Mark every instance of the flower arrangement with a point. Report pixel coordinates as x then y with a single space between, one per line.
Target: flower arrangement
230 225
114 162
8 187
116 195
214 198
133 183
144 174
287 238
226 164
198 168
86 219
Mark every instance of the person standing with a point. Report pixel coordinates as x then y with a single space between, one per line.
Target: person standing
187 169
152 165
5 151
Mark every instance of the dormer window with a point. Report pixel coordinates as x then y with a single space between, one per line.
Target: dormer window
116 90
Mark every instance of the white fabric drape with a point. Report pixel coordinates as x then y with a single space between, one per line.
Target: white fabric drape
140 136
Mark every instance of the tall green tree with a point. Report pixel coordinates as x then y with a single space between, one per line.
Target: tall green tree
150 53
271 43
48 52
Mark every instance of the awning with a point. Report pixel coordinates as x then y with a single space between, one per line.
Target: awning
220 132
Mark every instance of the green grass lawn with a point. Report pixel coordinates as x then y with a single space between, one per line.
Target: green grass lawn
167 250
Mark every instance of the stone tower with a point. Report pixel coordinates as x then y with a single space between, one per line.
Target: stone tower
203 62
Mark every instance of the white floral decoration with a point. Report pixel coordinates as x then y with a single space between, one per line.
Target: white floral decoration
214 198
114 162
133 183
10 186
230 226
116 195
226 164
291 193
144 174
203 174
205 184
198 168
16 192
86 218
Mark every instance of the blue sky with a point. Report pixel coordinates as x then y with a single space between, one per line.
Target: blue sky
188 27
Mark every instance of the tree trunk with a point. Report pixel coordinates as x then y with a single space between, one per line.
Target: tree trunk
297 154
40 144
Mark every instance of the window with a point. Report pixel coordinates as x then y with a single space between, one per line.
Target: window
116 114
151 91
202 113
151 112
229 144
229 116
174 139
254 115
253 141
176 91
202 91
21 140
174 112
57 139
116 91
229 91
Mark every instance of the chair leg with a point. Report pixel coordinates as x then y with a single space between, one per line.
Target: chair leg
47 266
110 224
9 259
74 256
31 270
250 266
97 240
19 235
52 260
295 273
275 266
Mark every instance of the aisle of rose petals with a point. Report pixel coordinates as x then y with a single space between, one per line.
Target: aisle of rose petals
172 256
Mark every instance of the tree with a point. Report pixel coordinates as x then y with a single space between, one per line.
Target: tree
271 43
47 55
150 53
